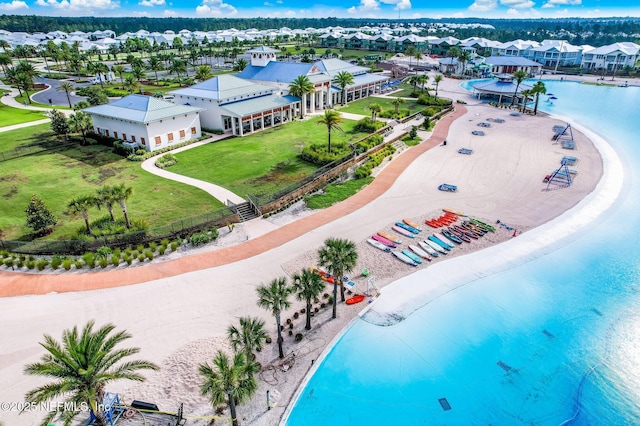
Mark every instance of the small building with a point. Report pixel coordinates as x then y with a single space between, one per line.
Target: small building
502 87
510 64
147 122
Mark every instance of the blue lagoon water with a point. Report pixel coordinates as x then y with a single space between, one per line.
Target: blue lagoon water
552 339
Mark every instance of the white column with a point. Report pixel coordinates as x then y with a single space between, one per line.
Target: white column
312 102
233 125
321 103
241 127
262 120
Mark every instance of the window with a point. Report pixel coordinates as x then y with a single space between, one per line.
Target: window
193 130
158 140
124 136
115 135
181 134
170 137
133 138
143 141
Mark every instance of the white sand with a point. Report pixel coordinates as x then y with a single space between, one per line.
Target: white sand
181 321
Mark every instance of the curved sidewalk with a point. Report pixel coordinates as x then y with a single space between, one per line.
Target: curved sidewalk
15 284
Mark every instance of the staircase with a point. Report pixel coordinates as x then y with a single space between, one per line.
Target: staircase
245 211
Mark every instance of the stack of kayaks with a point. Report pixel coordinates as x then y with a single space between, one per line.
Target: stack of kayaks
453 232
445 220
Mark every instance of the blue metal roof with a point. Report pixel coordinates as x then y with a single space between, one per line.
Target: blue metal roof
141 109
280 72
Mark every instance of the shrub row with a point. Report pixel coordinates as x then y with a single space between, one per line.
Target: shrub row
368 143
141 154
166 160
368 126
373 161
319 153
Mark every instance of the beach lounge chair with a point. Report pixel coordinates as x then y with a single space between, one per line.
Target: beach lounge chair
447 187
569 161
499 120
477 133
466 151
484 124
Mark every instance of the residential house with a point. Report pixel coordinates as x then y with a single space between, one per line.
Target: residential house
613 57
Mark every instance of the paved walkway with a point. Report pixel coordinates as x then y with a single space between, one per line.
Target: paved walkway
14 284
218 192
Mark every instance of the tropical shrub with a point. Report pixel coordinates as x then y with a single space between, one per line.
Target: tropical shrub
368 126
199 238
166 160
318 153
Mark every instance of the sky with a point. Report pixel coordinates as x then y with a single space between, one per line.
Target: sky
390 9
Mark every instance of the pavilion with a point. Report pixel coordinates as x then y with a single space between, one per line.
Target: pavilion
504 86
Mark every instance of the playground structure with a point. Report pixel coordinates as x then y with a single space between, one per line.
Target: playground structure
564 136
562 175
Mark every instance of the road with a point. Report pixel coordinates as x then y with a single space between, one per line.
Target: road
57 98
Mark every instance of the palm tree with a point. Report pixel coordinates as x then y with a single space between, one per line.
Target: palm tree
67 88
80 122
121 194
82 364
155 64
105 196
343 79
233 382
410 52
119 69
203 72
397 102
519 77
414 81
101 69
248 338
240 64
275 297
463 57
338 256
300 87
5 61
422 80
538 89
24 82
307 286
332 120
526 94
130 83
177 66
437 79
81 205
375 110
138 73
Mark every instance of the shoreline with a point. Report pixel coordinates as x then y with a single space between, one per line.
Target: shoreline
196 308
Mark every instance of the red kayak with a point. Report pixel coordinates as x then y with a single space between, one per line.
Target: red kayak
355 299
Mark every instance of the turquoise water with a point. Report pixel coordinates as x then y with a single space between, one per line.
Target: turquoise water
553 340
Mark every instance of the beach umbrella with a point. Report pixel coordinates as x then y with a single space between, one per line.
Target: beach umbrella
549 94
552 97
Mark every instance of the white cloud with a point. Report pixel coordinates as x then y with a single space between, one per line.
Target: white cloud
365 6
14 5
458 15
138 14
84 5
216 8
400 4
169 13
483 5
513 12
279 2
151 3
554 3
518 4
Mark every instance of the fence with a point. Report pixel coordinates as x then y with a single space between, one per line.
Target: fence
264 204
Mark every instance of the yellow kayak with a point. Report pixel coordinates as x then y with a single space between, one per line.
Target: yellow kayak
454 212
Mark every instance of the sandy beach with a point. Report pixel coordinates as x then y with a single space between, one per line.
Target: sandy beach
180 321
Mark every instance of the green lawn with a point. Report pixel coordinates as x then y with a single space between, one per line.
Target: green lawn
361 106
262 163
10 116
58 177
